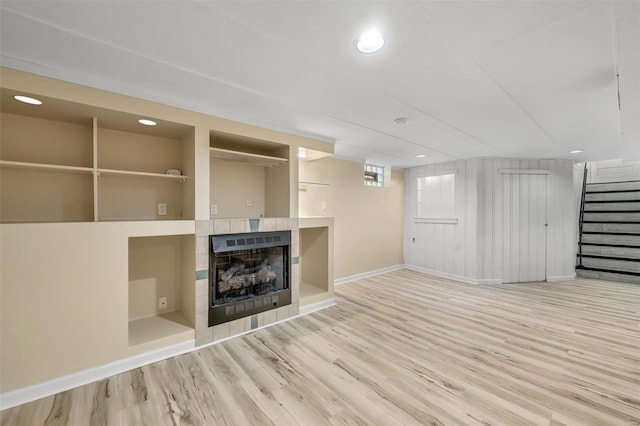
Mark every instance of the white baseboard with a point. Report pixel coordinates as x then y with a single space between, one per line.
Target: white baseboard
561 278
454 277
51 387
323 304
442 274
486 281
368 274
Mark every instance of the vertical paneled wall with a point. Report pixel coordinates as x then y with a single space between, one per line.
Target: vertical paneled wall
474 248
449 248
501 201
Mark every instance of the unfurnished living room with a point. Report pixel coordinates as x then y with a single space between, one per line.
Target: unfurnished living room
319 212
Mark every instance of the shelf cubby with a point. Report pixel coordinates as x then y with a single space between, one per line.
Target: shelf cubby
316 273
161 266
46 164
248 177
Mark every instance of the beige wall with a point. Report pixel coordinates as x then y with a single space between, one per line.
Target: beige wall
231 183
65 291
368 221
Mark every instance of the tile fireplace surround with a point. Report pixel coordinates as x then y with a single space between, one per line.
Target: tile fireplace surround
205 228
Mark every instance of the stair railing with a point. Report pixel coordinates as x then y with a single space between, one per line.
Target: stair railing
581 222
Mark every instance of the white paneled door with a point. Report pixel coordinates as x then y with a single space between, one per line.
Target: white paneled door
525 227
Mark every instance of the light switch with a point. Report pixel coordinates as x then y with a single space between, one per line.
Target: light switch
162 209
323 206
213 209
249 202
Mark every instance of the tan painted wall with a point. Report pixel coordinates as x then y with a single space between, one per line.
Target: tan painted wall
368 221
65 291
231 183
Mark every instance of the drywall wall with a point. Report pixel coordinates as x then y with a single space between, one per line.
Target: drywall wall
367 220
232 183
65 291
478 247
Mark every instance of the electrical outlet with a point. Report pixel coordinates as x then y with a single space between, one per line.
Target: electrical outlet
162 209
162 303
249 201
213 210
457 246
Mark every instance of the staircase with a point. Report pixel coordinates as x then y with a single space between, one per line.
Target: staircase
609 247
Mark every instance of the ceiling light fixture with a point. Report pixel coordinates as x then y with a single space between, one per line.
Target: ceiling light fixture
147 122
27 100
420 155
401 120
369 42
575 151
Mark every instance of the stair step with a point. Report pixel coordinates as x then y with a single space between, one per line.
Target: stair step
612 206
614 264
611 227
612 217
612 251
620 239
613 186
613 196
603 274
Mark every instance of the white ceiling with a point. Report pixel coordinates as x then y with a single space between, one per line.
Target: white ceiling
475 79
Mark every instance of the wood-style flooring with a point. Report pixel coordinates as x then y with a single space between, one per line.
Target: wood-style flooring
399 349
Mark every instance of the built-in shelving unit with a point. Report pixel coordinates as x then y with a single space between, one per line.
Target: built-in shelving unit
46 150
249 177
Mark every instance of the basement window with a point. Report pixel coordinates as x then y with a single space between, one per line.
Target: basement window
373 175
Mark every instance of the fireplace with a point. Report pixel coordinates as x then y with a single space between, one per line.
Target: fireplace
248 273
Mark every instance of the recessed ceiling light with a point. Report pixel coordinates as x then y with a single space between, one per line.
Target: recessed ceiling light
575 151
369 42
147 122
420 156
401 120
28 100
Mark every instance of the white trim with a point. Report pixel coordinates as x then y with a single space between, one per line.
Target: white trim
488 281
430 174
561 278
454 277
60 384
313 307
525 171
449 221
369 274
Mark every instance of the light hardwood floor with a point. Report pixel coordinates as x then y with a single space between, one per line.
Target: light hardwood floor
400 348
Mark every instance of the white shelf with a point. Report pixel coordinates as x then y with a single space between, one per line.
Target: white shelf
41 166
114 172
313 183
159 327
245 157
